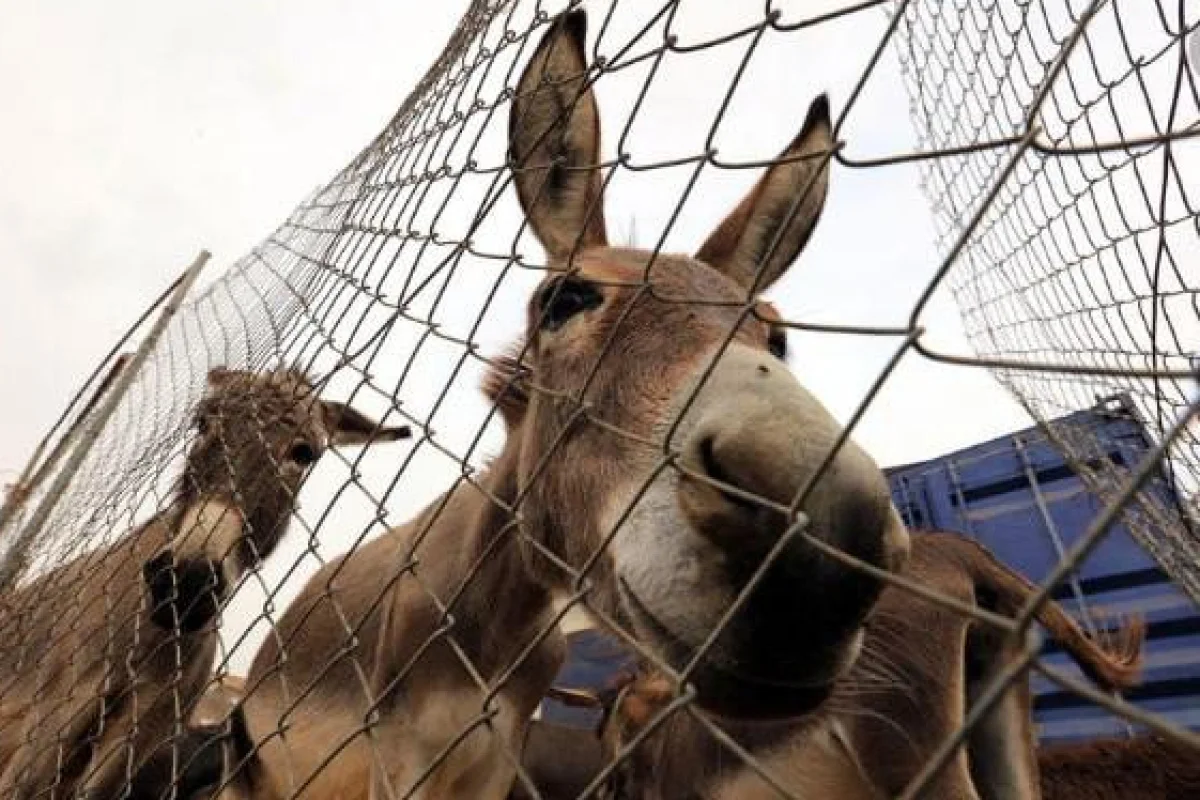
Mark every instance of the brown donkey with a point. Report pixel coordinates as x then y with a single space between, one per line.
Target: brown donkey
1145 767
922 664
365 687
100 658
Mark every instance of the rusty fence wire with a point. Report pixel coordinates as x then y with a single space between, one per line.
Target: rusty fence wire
287 548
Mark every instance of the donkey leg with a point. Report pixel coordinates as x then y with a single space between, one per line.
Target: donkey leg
1003 749
112 766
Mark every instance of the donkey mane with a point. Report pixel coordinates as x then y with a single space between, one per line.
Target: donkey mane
504 386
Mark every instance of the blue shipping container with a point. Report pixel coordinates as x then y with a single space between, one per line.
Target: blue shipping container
1017 495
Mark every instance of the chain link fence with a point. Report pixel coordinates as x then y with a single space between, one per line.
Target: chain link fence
638 452
1083 257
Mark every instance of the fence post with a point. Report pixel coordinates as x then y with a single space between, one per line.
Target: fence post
30 478
36 469
16 554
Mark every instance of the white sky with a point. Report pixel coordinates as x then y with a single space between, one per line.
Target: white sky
136 133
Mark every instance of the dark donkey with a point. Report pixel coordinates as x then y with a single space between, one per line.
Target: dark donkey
634 337
103 656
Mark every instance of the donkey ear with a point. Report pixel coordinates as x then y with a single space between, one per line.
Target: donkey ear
574 698
554 141
221 376
348 426
756 243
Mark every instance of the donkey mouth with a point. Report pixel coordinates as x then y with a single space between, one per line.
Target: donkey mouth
184 594
723 687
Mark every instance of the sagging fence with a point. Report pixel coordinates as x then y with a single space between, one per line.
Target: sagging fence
1084 257
639 451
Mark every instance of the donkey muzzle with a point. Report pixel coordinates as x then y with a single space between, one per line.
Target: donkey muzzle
186 580
762 460
184 596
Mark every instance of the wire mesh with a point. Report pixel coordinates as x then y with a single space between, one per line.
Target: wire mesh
1084 258
397 639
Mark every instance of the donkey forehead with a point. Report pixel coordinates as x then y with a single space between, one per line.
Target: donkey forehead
684 282
671 274
284 397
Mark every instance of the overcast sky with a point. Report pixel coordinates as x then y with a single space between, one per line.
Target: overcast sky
137 133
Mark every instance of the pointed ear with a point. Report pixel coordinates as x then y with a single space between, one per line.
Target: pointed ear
574 698
554 142
347 426
221 376
764 234
646 697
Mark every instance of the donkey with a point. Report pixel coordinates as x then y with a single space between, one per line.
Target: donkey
924 654
921 665
195 765
87 695
1144 767
374 683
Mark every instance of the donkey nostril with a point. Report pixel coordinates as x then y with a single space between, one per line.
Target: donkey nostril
711 465
708 460
158 564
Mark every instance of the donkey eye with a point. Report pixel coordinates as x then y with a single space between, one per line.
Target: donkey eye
564 299
202 425
303 454
777 343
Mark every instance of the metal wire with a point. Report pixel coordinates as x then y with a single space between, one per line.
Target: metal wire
1055 143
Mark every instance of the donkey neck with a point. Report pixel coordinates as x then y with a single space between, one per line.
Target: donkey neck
472 559
266 508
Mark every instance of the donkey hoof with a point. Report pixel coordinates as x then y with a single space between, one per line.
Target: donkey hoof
187 593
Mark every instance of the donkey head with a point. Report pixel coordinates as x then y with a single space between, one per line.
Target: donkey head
630 702
631 358
257 436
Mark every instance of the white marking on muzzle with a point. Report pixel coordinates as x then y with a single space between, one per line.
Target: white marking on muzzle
210 529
